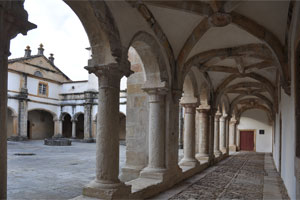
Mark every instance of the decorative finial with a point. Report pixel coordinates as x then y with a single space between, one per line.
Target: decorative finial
51 58
27 52
41 49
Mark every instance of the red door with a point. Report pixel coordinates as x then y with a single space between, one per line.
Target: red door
247 140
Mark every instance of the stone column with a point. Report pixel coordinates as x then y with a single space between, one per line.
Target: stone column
107 184
23 117
227 135
211 135
180 127
232 137
237 133
73 129
13 20
156 161
189 136
88 122
217 151
223 133
204 134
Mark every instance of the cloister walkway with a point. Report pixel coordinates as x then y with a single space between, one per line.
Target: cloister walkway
245 175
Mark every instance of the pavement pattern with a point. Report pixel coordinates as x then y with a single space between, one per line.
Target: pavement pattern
245 175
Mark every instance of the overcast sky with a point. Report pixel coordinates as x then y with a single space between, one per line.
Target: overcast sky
61 33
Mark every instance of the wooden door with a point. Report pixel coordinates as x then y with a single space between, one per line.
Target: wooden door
247 140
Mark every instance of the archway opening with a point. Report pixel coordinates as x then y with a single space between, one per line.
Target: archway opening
80 126
41 125
67 126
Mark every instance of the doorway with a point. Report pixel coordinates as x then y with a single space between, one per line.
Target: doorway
247 140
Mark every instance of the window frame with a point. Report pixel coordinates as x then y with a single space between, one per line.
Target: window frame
47 89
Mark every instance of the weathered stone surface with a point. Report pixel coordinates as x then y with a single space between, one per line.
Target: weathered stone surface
57 142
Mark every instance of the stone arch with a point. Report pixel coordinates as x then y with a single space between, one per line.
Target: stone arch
14 113
46 110
154 64
260 97
190 89
75 116
62 115
101 29
253 50
41 123
256 106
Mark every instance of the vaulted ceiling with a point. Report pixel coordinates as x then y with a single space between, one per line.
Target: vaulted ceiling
238 45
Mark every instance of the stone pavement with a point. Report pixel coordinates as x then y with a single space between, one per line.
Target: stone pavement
245 175
54 172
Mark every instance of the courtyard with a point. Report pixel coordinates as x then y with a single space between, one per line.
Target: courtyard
37 171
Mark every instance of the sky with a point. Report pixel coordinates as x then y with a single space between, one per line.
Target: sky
61 33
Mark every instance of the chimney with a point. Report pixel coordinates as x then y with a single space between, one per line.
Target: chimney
51 58
27 52
41 50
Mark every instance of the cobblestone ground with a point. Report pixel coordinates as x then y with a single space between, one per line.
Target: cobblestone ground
242 176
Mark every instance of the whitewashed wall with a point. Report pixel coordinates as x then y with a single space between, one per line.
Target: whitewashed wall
257 120
13 81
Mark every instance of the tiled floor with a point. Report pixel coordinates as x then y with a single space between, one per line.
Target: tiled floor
245 175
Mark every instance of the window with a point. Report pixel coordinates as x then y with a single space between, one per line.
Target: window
38 73
43 89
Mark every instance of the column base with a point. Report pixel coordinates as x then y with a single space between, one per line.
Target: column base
107 190
17 138
130 172
202 156
223 150
217 153
189 162
89 140
154 173
232 148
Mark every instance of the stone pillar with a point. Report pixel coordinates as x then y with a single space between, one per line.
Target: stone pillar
227 135
211 135
237 133
204 134
156 162
13 20
232 137
223 133
217 151
23 117
189 136
73 128
107 184
88 116
180 127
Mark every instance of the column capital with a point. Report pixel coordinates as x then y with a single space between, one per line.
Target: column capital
218 115
223 117
177 94
155 93
233 121
110 69
203 109
189 105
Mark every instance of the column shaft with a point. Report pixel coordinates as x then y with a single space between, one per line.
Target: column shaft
223 134
204 134
189 136
88 121
22 117
180 127
217 151
156 131
232 136
73 128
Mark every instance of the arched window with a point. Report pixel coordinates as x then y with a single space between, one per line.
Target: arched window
38 73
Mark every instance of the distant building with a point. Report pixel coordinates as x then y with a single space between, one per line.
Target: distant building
43 101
